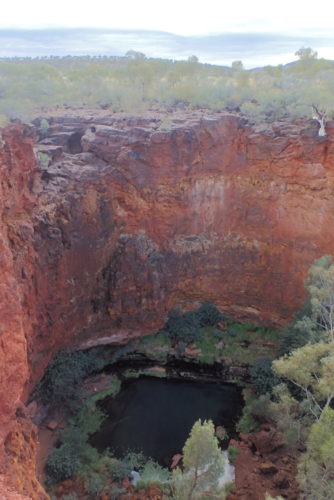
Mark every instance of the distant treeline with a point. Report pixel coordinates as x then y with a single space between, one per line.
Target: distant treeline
135 82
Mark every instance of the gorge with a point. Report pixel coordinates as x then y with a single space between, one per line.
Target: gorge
109 221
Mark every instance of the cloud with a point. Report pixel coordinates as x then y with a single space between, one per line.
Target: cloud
254 49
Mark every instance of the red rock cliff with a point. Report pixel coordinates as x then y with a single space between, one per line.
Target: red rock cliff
125 219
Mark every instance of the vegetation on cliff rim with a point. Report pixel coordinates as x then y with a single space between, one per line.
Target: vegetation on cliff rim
130 84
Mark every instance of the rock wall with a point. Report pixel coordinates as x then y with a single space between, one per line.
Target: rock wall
121 219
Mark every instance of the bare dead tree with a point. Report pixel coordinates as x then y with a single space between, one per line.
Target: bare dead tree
320 116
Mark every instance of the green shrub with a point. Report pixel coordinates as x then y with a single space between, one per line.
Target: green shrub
64 375
247 423
221 433
44 127
200 452
116 492
298 334
95 486
43 160
232 454
208 314
119 469
316 465
184 327
122 467
291 416
70 496
260 408
263 377
152 473
187 327
62 463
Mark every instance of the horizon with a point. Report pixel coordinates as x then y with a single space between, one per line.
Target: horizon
253 49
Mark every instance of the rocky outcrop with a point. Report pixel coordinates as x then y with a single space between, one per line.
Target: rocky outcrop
121 219
264 465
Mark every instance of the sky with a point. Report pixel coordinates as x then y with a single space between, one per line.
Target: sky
298 21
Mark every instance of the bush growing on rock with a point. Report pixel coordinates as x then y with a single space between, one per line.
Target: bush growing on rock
62 463
183 327
187 327
64 375
120 468
209 315
233 453
263 377
95 486
153 473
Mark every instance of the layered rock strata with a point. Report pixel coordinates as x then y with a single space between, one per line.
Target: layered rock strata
108 222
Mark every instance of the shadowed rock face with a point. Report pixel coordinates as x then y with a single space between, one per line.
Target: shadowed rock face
124 220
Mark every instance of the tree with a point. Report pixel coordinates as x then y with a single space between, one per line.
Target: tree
203 464
238 65
193 59
306 53
311 369
134 54
263 377
320 116
320 285
288 414
316 466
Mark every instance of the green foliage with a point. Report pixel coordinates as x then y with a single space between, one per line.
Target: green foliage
95 486
232 454
208 314
203 465
183 327
311 369
263 377
152 473
70 496
316 320
43 160
247 423
221 433
135 82
90 418
114 386
320 285
187 327
120 468
246 342
290 416
62 463
65 374
116 492
306 53
208 346
298 334
44 127
74 454
260 407
316 466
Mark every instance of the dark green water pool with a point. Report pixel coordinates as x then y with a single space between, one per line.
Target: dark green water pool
155 416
